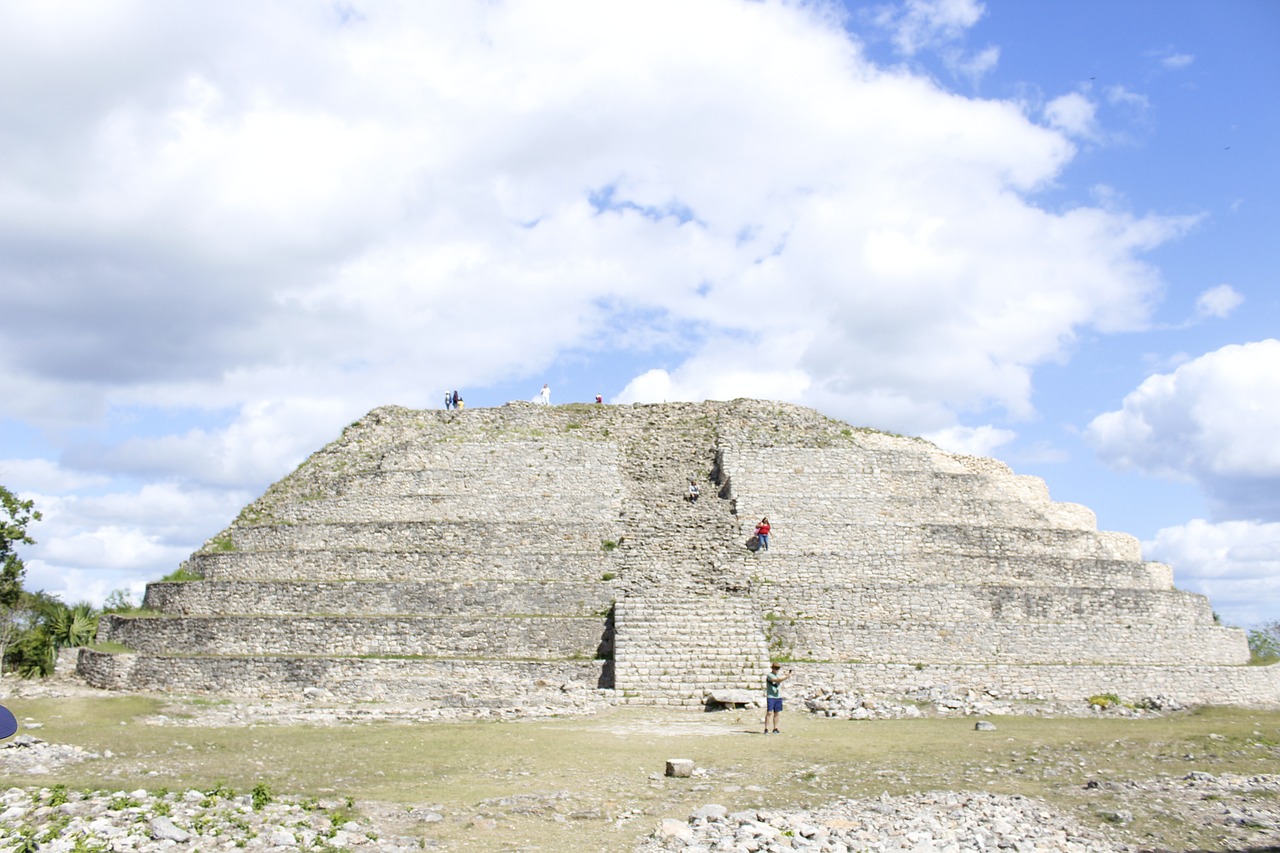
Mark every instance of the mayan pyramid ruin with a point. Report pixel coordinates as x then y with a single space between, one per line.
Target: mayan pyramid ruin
515 555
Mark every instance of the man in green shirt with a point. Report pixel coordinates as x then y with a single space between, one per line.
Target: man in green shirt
773 696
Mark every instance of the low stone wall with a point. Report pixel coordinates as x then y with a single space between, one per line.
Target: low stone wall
429 683
496 637
1246 686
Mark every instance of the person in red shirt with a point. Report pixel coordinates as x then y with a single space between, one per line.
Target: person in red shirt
762 531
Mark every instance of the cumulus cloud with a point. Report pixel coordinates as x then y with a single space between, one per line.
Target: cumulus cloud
1218 302
922 24
281 217
1171 59
1235 563
1073 114
974 441
44 475
1212 421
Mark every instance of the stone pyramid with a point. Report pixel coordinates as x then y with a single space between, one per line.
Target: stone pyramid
548 555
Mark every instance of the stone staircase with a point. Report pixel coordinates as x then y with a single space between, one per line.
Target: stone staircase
676 649
684 622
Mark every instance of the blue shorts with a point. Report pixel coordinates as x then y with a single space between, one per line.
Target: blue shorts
772 703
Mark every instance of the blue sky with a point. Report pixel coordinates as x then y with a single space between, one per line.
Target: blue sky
1044 232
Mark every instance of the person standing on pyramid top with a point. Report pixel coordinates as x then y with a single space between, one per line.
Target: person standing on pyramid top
545 397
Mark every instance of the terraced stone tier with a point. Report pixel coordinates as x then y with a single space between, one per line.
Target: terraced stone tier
1245 686
427 683
500 637
389 565
943 507
1008 642
923 539
780 565
543 507
918 604
355 598
438 536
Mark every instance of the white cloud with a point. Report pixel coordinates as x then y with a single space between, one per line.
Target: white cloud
973 67
1213 421
1235 563
921 24
1172 60
973 441
1073 114
42 475
1218 301
280 218
121 538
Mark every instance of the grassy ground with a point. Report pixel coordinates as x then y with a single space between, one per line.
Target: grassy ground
595 783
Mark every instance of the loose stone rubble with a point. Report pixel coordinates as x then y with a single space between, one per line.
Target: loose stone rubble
60 821
941 822
1243 811
30 755
944 701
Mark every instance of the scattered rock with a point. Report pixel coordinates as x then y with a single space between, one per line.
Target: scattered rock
680 768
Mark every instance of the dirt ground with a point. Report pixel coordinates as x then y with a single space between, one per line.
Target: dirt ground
1203 779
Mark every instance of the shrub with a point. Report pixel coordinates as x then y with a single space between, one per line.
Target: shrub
1104 700
1264 643
261 796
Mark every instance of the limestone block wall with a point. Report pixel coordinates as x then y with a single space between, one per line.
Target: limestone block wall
782 566
441 636
393 565
431 535
887 549
912 604
347 598
1245 686
1007 642
426 683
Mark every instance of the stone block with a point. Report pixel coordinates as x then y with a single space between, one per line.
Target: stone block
679 768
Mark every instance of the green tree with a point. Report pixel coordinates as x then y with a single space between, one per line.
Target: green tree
14 518
13 531
1264 643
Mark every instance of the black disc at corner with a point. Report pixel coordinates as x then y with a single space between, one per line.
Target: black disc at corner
8 722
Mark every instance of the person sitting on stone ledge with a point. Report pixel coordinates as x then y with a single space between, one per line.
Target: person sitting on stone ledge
693 492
